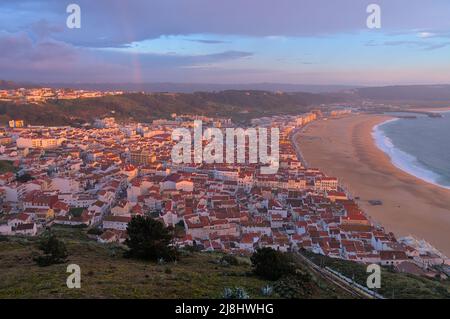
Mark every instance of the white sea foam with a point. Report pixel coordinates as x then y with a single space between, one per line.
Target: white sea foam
402 160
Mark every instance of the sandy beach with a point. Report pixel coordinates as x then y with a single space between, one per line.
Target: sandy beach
345 148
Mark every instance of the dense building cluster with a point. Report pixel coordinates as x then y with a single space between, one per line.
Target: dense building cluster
101 177
40 95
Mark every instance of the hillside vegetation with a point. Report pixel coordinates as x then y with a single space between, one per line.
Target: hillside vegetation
393 284
106 273
238 105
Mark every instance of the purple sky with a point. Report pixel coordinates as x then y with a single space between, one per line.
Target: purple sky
233 41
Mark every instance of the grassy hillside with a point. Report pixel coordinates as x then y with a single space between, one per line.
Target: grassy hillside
106 274
393 284
239 105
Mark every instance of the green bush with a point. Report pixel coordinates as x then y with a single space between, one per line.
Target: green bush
271 264
54 250
297 286
229 260
149 239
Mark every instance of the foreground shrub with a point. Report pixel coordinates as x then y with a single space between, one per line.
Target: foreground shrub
54 251
149 239
296 286
271 264
229 260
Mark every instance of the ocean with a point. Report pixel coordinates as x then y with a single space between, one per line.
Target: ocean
420 147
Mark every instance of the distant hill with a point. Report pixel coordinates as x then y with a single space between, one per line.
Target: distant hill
238 105
405 93
201 87
182 87
393 93
11 85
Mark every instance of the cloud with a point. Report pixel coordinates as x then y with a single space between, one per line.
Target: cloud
51 60
425 34
14 46
43 29
35 43
206 41
115 23
405 42
421 33
437 46
424 45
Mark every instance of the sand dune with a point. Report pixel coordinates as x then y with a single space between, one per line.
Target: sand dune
345 148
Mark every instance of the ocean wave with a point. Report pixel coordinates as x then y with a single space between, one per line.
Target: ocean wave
402 160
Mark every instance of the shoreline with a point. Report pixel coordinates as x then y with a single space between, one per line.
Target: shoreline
345 148
397 157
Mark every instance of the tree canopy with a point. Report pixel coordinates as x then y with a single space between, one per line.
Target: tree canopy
54 251
271 264
149 239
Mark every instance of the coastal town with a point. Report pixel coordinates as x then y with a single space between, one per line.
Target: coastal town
100 177
41 95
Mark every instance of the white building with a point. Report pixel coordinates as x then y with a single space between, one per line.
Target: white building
116 222
65 185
